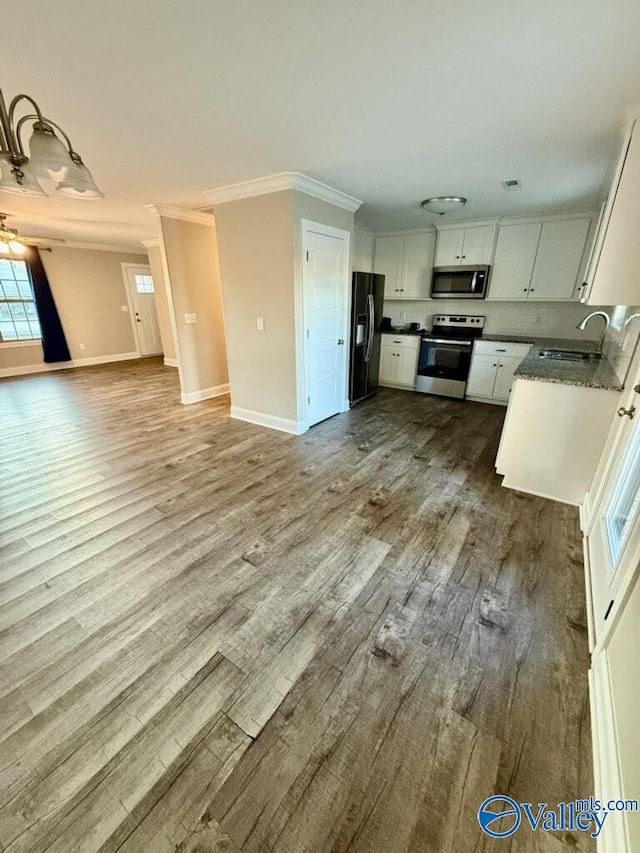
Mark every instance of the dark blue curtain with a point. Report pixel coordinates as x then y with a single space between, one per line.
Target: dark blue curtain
54 342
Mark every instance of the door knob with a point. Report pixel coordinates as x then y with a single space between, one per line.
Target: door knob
630 412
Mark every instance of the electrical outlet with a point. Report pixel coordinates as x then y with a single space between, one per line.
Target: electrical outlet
190 318
124 309
82 346
403 315
260 324
538 320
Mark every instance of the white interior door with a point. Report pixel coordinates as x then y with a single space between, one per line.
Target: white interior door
326 279
143 304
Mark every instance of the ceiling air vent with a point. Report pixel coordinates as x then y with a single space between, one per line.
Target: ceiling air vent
511 185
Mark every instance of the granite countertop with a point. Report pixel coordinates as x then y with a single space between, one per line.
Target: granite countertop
418 332
586 374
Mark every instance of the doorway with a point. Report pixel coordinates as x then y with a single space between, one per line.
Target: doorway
142 307
326 337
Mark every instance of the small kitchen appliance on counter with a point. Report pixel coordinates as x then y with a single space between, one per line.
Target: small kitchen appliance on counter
445 354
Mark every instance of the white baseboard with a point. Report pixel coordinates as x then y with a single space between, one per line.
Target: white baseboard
171 362
27 369
204 394
490 400
270 421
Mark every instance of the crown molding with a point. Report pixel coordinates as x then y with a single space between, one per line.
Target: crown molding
170 212
364 228
283 181
95 247
151 244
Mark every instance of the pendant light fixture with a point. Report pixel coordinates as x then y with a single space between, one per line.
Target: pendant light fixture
51 155
442 204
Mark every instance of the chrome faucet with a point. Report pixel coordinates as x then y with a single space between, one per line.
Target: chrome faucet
582 325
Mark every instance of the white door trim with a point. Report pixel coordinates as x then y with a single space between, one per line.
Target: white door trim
304 374
146 269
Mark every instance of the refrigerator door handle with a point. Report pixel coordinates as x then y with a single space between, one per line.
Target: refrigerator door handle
370 317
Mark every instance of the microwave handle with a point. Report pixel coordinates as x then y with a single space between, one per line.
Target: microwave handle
474 281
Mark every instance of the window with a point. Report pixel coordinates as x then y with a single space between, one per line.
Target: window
144 283
18 315
625 501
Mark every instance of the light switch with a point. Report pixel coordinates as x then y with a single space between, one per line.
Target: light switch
124 309
190 318
260 324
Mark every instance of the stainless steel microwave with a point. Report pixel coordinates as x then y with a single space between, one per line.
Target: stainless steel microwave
459 282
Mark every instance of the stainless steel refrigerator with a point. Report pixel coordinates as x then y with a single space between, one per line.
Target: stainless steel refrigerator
367 294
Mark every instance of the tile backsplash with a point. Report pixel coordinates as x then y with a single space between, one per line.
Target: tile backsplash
545 319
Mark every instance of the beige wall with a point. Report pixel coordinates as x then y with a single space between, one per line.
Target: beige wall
191 263
89 292
255 239
162 303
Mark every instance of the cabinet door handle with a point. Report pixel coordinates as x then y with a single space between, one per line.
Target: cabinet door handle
630 412
463 257
495 365
525 289
500 350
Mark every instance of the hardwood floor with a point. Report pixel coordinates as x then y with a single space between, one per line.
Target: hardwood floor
217 637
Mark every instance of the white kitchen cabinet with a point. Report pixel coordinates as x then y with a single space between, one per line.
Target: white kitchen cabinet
539 260
406 261
614 267
388 262
513 262
399 360
552 438
559 259
468 246
492 368
363 249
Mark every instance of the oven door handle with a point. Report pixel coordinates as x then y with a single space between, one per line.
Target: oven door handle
447 341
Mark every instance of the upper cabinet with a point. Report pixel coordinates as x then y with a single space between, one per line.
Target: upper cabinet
613 273
468 246
363 246
406 261
539 260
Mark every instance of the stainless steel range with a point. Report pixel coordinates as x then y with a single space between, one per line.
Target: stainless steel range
445 354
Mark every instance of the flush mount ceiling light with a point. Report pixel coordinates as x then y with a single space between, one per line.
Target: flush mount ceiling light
442 204
51 155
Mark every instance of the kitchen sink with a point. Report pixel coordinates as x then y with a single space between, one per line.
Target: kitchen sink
567 355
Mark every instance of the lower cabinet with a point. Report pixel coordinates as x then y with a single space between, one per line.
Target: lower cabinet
492 368
552 438
399 361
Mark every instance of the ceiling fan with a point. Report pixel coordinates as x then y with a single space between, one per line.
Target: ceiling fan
11 242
